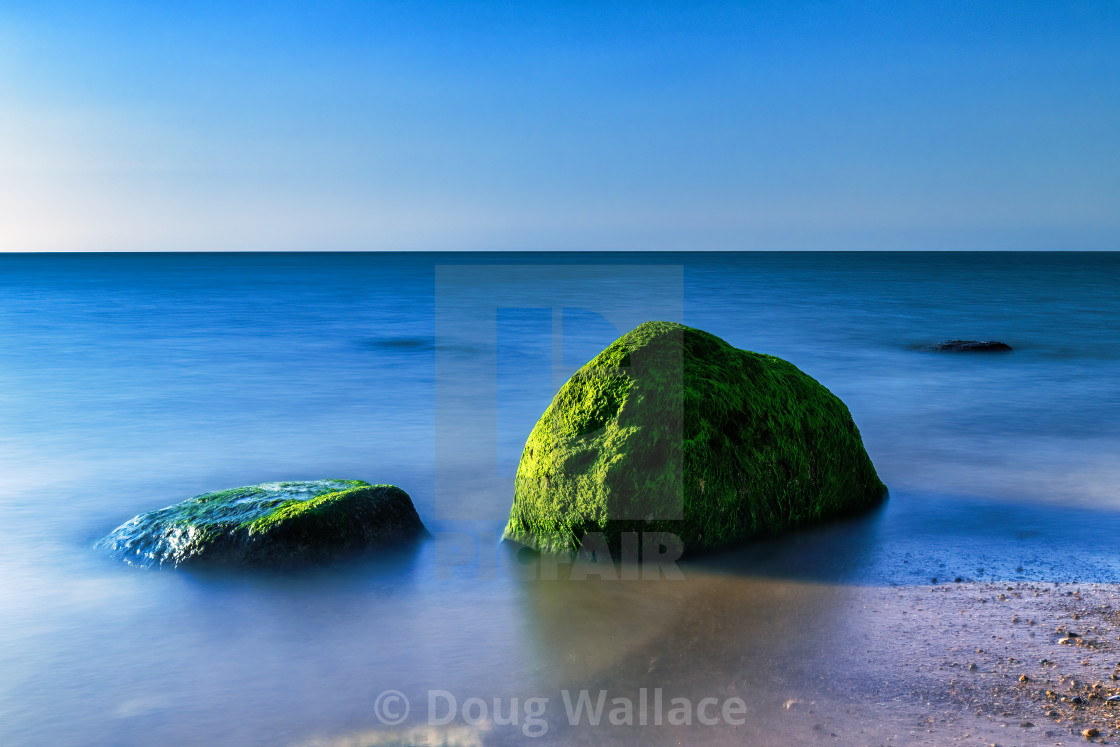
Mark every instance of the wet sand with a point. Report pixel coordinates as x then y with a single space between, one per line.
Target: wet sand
934 664
937 664
1036 661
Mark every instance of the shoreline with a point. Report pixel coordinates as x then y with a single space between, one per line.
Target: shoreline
1041 657
933 664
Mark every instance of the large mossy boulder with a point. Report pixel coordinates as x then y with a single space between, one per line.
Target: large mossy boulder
270 523
671 429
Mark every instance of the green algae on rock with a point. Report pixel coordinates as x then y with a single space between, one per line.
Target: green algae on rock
269 523
671 429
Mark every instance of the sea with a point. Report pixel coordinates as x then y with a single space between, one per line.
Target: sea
131 381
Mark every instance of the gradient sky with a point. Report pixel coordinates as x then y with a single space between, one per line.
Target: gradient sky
559 125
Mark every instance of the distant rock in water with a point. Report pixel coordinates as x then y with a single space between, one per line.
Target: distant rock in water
270 523
672 430
969 346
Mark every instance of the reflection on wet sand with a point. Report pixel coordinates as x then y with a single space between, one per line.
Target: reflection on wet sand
834 635
708 636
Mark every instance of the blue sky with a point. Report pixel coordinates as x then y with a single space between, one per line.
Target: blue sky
559 125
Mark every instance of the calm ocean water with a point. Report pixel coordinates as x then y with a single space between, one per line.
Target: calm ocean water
128 382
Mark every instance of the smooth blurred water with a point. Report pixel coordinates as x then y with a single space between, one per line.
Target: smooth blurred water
128 382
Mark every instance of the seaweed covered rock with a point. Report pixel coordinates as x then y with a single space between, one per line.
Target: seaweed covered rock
270 523
671 429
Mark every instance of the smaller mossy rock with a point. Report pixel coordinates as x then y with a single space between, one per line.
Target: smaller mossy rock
969 346
671 429
270 523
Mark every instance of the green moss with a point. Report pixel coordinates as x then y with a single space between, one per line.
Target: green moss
327 509
671 429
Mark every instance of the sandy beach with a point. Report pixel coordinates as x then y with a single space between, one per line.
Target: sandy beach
1022 663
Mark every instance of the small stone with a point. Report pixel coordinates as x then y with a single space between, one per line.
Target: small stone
1090 733
972 667
968 346
1024 678
958 580
1027 725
